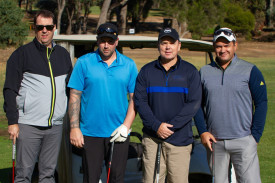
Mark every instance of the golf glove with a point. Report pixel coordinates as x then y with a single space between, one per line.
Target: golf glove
120 134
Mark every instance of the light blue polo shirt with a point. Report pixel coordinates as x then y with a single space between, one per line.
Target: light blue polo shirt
104 101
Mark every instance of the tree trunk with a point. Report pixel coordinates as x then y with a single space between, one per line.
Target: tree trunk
61 5
30 6
70 14
27 5
78 18
123 20
270 23
103 13
86 14
175 25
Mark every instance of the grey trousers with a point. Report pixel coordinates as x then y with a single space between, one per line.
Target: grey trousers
242 152
40 144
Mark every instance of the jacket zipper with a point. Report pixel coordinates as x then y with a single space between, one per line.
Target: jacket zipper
53 89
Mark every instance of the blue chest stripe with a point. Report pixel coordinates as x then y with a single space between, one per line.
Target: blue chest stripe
160 89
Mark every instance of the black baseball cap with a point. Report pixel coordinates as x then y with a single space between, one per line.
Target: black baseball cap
107 30
170 32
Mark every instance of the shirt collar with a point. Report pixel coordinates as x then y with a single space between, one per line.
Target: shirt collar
158 64
118 60
232 62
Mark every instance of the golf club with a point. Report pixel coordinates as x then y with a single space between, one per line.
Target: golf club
157 163
13 160
110 160
213 162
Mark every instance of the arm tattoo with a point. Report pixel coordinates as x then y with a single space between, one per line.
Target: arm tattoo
74 108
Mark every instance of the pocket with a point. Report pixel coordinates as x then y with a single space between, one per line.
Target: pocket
252 140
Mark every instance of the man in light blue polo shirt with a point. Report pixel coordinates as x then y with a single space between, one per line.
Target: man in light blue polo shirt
99 107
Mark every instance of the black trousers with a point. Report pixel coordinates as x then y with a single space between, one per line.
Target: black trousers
96 150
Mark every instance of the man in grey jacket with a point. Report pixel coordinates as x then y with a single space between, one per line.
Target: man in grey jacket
35 100
234 105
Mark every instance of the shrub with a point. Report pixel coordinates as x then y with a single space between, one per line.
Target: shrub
240 20
13 30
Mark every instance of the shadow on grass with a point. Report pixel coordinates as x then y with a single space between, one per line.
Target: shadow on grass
6 175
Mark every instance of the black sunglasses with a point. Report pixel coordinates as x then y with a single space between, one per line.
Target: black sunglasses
41 27
226 32
107 30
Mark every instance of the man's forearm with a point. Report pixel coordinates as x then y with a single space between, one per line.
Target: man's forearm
74 108
131 113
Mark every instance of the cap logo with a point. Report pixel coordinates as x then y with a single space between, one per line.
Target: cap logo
167 31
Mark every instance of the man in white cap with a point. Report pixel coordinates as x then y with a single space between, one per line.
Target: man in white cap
234 105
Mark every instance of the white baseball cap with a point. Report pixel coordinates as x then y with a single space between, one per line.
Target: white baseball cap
224 32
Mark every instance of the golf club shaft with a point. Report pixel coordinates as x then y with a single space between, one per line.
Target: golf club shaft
158 161
213 162
13 160
110 160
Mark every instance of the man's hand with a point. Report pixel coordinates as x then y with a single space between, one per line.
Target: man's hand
76 137
120 134
14 132
207 139
164 132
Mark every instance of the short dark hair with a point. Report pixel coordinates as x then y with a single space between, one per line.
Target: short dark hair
45 14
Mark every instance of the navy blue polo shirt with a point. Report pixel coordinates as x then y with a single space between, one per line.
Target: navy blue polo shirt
172 97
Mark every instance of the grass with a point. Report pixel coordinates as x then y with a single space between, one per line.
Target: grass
156 13
95 10
266 147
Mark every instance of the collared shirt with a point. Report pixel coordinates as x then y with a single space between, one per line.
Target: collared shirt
104 101
172 97
229 97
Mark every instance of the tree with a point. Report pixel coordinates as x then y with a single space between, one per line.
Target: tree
177 10
103 13
13 30
70 10
257 8
138 10
60 8
196 17
240 20
270 13
203 15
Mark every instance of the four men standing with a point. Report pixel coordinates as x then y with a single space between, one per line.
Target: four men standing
168 93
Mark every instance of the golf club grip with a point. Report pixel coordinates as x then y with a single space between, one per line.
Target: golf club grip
13 151
111 154
159 150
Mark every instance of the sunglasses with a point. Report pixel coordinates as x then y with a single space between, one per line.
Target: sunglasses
226 32
107 30
41 27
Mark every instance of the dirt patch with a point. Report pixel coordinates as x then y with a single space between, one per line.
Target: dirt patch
4 133
5 54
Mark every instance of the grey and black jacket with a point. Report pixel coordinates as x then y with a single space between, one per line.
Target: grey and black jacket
35 87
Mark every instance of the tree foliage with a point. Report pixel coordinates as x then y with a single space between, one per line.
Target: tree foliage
13 30
202 16
240 20
138 10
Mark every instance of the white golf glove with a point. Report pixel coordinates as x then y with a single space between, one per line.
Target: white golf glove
120 134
